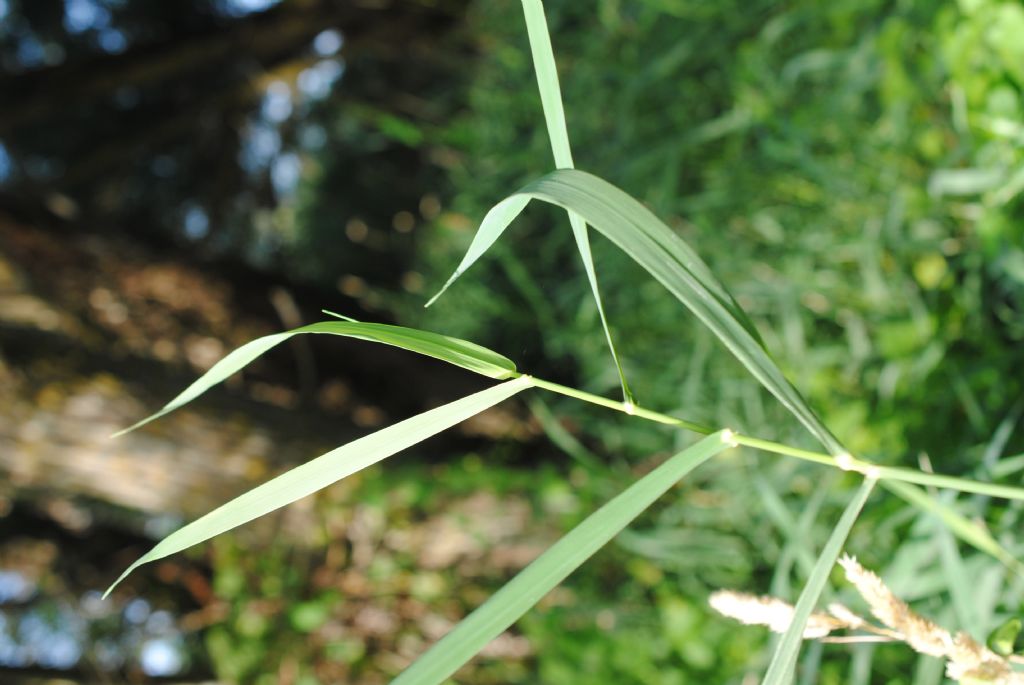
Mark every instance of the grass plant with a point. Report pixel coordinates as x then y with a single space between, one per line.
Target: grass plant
669 260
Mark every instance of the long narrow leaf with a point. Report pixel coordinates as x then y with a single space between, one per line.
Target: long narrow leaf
553 566
554 117
668 259
547 82
780 671
965 529
895 473
328 468
459 352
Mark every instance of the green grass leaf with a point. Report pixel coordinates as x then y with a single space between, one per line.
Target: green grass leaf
780 671
668 259
558 133
459 352
895 473
965 529
326 469
547 82
553 566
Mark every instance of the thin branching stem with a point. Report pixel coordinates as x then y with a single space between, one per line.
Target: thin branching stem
845 462
624 407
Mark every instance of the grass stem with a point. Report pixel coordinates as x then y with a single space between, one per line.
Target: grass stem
624 407
845 462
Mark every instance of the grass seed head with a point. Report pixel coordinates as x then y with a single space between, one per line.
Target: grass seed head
771 612
968 661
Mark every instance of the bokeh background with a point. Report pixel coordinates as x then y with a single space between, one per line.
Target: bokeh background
177 178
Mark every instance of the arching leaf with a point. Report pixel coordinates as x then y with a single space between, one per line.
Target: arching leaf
452 350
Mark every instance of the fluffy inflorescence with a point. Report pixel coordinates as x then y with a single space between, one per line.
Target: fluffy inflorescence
968 661
771 612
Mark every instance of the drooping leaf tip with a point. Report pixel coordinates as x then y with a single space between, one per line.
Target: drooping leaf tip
434 298
455 276
136 425
124 431
119 579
